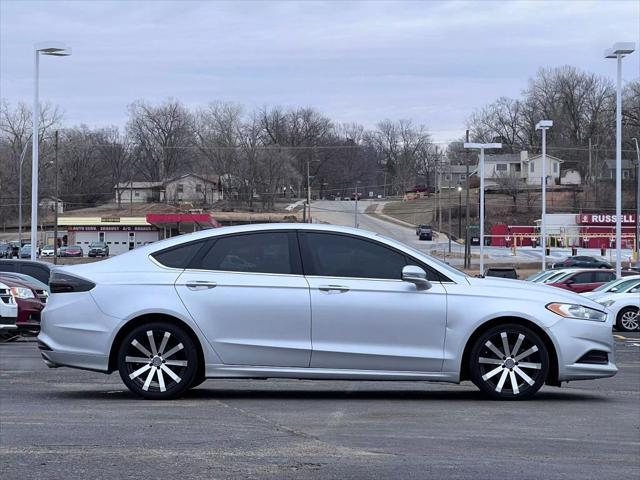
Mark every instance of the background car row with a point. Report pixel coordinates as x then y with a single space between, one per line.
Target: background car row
621 296
96 249
24 290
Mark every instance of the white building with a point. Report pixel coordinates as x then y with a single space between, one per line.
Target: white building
121 234
532 168
197 189
48 205
520 165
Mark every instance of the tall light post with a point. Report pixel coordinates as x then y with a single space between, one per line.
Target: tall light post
637 244
459 212
482 147
619 51
544 125
24 153
56 49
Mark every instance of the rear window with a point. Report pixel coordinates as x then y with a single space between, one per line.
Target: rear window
178 256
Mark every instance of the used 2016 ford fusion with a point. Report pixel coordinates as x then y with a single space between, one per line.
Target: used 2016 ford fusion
314 302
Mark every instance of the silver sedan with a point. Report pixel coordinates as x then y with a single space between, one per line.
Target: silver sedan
314 302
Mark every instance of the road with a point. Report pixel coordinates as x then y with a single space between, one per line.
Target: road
69 424
343 213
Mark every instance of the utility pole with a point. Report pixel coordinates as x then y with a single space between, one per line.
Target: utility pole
309 187
24 152
355 217
55 226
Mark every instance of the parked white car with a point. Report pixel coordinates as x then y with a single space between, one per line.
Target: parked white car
314 302
619 285
47 251
624 308
8 310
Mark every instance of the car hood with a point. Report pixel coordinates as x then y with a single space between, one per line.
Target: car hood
525 290
617 296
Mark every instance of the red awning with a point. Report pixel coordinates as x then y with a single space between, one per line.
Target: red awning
202 220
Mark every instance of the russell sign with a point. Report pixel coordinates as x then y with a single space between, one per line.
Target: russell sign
605 219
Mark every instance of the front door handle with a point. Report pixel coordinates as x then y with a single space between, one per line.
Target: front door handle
201 285
333 288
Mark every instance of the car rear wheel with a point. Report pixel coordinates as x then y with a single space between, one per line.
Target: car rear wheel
628 319
158 360
509 362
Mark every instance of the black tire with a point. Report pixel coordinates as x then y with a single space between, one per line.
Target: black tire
495 374
628 319
158 376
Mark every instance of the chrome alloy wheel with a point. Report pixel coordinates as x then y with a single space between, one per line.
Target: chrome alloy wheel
629 319
510 363
163 363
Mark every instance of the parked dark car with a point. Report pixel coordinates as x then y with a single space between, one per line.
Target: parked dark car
29 305
6 250
25 251
424 232
71 251
588 280
582 262
98 249
501 272
38 270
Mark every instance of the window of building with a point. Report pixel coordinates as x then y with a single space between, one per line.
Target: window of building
136 194
532 167
198 188
555 167
501 167
180 188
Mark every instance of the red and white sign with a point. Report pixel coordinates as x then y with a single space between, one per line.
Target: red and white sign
605 219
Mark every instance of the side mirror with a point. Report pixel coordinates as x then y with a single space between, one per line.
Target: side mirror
417 276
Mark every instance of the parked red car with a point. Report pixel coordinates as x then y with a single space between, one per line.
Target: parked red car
588 279
29 305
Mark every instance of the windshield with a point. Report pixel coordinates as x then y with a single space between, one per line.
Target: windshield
557 276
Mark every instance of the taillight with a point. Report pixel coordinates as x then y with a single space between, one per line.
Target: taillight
65 283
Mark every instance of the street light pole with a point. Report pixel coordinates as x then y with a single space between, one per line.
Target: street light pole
544 125
618 51
22 156
637 244
482 147
56 49
55 227
459 212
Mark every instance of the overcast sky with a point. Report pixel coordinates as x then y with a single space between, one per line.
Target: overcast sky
433 62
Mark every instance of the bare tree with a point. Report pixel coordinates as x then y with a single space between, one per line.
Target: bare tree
163 138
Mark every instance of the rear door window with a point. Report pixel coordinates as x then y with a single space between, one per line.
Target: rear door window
251 253
583 277
178 256
604 277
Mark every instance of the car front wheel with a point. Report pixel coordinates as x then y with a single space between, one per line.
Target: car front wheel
628 319
509 362
158 360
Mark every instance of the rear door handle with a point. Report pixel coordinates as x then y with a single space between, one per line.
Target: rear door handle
201 285
333 288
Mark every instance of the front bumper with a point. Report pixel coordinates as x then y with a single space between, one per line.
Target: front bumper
575 338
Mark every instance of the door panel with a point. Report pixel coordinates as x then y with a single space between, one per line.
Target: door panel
372 324
248 295
249 318
363 315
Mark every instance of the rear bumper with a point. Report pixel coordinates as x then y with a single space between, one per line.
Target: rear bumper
82 361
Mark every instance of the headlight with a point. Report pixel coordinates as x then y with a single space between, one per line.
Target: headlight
22 292
608 303
580 312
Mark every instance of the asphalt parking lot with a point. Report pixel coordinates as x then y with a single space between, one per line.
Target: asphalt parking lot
63 424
